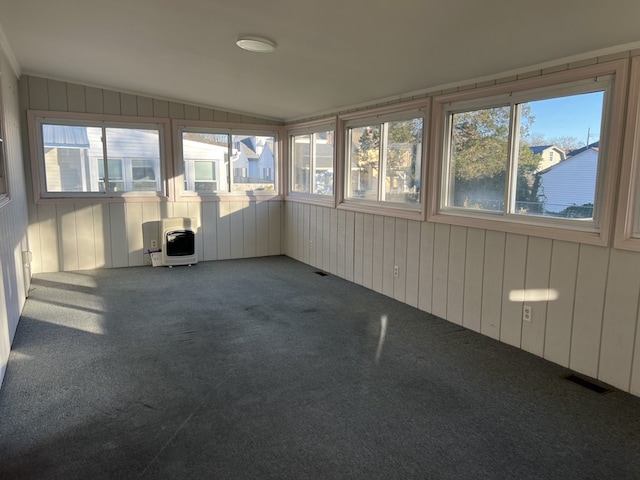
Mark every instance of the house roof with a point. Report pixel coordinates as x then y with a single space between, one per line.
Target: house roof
185 51
573 153
65 136
538 149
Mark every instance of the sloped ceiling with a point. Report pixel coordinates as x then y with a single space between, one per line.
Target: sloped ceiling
331 54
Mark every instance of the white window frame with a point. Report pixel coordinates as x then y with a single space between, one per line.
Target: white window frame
231 129
628 213
36 118
596 232
401 111
311 128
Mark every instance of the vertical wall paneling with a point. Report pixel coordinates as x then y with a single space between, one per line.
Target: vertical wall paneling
191 112
102 232
67 240
223 231
180 209
144 106
275 227
413 263
289 206
456 280
440 269
562 283
515 262
128 104
306 232
86 237
620 319
473 273
378 252
635 368
313 227
492 284
588 309
301 248
94 100
57 95
119 242
237 229
537 294
76 98
400 260
38 93
195 211
47 221
333 245
326 239
160 108
209 230
111 102
358 247
425 282
368 225
388 254
349 252
249 230
262 229
319 236
134 220
341 247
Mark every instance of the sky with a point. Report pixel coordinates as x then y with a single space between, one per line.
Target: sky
571 116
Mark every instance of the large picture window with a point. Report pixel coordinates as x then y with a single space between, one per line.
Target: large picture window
534 153
383 162
216 160
311 161
79 157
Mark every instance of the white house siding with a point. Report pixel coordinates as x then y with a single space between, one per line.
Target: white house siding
84 234
580 172
14 280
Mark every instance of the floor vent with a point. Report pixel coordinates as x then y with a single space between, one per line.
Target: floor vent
583 382
322 274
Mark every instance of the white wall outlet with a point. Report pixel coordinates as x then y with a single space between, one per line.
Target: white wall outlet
154 244
396 271
527 311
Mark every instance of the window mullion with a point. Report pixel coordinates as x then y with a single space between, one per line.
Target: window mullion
105 161
382 161
512 160
312 163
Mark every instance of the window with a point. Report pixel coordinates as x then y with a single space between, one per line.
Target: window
311 160
384 152
90 157
498 153
216 160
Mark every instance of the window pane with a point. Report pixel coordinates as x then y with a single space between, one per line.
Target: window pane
253 163
403 156
116 175
559 150
139 149
301 163
478 158
364 162
323 162
70 154
206 162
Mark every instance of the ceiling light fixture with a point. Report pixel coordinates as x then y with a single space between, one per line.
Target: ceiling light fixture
256 44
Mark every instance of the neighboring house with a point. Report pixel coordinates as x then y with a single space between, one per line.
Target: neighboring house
580 171
549 155
253 160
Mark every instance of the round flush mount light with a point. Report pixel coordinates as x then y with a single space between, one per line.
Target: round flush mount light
256 44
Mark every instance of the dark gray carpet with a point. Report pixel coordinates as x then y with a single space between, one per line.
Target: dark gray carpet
262 369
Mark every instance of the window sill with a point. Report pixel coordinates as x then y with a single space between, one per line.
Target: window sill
380 208
322 200
88 198
229 197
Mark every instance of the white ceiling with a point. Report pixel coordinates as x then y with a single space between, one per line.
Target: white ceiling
331 53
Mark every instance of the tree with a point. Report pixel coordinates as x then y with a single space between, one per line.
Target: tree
480 156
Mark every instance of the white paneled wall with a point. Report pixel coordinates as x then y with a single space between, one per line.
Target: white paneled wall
584 298
81 235
14 278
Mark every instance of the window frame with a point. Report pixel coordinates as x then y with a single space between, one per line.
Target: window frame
230 129
309 128
5 191
628 210
385 114
551 85
35 120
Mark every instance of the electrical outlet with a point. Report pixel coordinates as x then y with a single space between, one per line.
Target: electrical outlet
154 244
396 271
527 311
